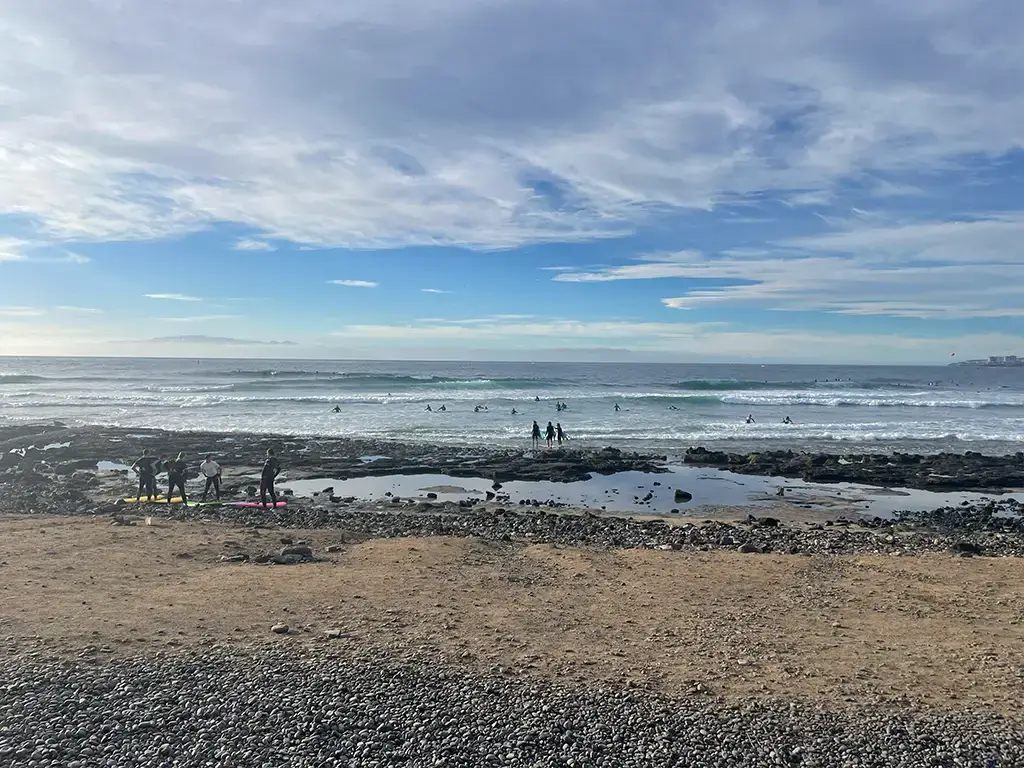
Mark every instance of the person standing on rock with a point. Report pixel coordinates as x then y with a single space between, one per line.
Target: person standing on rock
549 434
177 470
146 469
535 434
210 469
559 434
271 469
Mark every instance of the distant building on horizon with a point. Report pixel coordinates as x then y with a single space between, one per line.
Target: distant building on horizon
996 361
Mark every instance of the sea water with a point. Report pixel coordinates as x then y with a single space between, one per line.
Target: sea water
664 408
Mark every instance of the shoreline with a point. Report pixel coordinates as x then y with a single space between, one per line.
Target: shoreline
60 477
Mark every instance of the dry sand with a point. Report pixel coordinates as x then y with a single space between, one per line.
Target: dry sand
940 631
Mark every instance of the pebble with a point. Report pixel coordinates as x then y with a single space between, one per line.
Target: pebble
280 707
279 629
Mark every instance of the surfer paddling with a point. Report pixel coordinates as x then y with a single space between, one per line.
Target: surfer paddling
271 469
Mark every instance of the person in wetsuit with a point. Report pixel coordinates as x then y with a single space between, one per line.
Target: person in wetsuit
177 469
337 409
146 469
535 434
549 434
271 469
617 409
559 434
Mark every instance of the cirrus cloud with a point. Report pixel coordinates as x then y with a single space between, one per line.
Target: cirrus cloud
483 124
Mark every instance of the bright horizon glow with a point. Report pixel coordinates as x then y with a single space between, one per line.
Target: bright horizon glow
513 180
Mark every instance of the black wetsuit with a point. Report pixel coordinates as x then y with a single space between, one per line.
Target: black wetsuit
176 472
146 467
549 433
271 469
559 434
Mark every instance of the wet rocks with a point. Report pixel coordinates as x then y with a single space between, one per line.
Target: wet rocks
969 471
681 497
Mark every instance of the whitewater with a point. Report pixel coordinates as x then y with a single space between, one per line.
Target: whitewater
664 408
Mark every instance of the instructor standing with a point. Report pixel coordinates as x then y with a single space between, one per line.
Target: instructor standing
210 469
271 469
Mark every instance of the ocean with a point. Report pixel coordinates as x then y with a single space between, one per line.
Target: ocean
664 408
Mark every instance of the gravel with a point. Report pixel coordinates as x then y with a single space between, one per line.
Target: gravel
540 525
287 707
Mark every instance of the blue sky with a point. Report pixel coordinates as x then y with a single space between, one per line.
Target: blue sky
795 181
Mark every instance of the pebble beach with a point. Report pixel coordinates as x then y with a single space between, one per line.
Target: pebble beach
495 631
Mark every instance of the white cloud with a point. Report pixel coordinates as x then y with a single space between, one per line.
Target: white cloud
354 283
948 270
434 290
21 312
12 249
172 297
254 245
82 310
482 123
199 318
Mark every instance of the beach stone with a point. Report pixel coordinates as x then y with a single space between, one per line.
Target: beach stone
749 549
681 497
279 629
332 548
297 550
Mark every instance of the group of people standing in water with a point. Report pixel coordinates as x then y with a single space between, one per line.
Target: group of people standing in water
148 467
552 433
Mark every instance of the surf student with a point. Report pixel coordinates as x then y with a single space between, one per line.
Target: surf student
210 469
617 409
787 420
177 470
429 408
337 409
535 434
549 434
750 419
536 399
515 412
443 408
145 467
559 434
271 469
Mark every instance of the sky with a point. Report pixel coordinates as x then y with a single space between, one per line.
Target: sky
718 180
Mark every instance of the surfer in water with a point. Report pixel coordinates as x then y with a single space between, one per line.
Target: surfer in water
549 434
617 409
210 469
787 420
750 419
337 409
177 469
515 412
271 469
145 467
535 434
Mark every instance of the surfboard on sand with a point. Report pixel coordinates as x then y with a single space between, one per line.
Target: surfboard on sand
254 504
175 500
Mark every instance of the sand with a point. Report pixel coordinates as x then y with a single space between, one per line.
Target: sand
932 630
